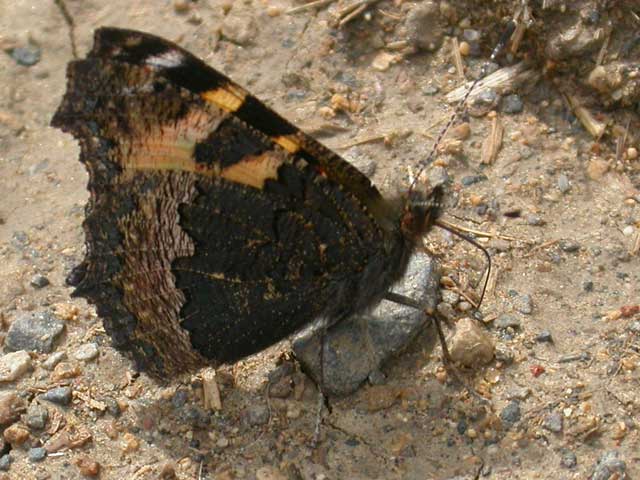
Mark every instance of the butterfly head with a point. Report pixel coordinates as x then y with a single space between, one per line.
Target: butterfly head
421 209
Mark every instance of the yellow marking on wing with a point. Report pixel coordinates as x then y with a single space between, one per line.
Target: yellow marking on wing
288 142
229 98
254 170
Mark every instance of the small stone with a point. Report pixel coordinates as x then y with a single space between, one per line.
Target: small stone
464 306
36 417
507 320
5 462
512 104
504 354
88 467
446 310
628 230
635 327
472 179
383 61
510 414
26 56
544 337
450 297
181 6
16 434
568 459
65 371
113 407
14 365
534 220
239 29
470 345
58 395
632 153
609 466
37 454
179 398
563 183
553 422
423 26
11 406
33 332
257 415
39 281
86 352
523 304
519 393
130 443
587 286
464 49
569 246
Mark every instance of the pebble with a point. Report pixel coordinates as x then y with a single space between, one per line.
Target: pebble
179 398
26 56
568 459
58 395
239 29
635 327
36 417
86 352
609 466
504 354
534 220
11 406
523 304
544 337
569 246
446 310
510 414
628 230
563 183
472 179
519 393
37 454
587 286
507 320
553 422
39 281
88 467
470 344
512 104
5 462
33 332
257 414
423 26
14 365
450 297
632 153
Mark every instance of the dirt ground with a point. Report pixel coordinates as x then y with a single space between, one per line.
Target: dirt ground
561 209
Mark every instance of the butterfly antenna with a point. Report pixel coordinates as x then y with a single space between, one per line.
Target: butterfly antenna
502 43
452 229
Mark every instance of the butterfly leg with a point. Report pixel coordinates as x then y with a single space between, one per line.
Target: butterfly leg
448 362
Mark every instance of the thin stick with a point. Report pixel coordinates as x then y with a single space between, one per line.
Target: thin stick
308 6
70 24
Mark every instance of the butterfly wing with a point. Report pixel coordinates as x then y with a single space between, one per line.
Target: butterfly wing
214 228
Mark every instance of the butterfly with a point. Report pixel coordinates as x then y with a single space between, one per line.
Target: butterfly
214 227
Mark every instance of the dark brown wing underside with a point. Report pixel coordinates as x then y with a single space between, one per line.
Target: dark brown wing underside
208 239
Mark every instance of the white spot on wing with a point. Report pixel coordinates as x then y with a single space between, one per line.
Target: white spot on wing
168 59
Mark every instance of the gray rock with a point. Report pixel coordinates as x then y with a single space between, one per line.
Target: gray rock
553 422
257 414
563 183
26 56
39 281
37 454
504 354
53 360
58 395
534 220
568 459
423 26
523 304
450 297
36 417
510 414
34 332
86 352
362 344
5 462
14 365
608 465
512 104
569 246
544 337
635 327
519 393
507 320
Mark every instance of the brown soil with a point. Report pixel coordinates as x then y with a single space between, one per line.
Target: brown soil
562 209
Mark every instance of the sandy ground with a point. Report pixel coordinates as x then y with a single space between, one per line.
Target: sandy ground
564 265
